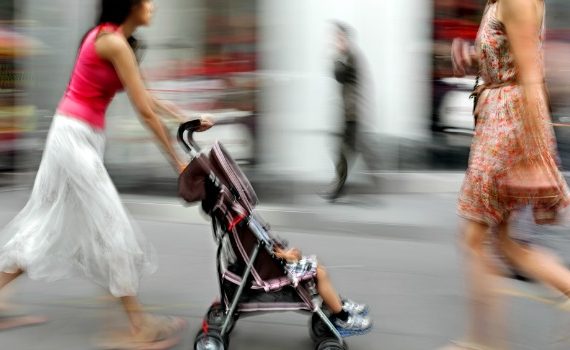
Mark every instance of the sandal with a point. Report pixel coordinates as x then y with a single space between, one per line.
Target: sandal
157 333
161 327
15 321
125 342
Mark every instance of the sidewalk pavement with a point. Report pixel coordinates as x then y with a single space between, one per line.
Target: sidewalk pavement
356 213
433 215
425 211
415 206
425 201
402 201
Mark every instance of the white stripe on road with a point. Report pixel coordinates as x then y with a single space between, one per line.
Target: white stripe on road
345 267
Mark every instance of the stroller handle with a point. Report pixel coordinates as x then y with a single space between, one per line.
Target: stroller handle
190 126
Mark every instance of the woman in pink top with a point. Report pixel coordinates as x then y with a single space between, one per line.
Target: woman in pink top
74 222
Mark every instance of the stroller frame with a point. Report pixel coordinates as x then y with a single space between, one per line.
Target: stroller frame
322 329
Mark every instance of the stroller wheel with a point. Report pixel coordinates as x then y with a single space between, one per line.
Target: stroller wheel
318 329
212 340
330 344
216 316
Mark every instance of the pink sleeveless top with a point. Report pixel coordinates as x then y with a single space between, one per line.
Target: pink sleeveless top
94 82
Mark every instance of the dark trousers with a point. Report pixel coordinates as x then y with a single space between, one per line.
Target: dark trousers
352 143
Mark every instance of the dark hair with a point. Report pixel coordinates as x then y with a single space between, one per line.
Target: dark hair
117 12
343 29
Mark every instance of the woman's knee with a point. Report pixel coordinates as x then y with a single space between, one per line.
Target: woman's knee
503 238
474 236
507 246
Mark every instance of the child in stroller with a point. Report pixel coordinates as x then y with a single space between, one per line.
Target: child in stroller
257 272
349 317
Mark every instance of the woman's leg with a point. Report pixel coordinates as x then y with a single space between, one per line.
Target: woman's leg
134 311
536 263
6 278
8 322
327 292
481 278
146 331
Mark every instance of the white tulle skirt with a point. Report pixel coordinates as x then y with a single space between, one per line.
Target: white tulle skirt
74 222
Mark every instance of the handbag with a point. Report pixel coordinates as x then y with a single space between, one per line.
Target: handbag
531 182
535 177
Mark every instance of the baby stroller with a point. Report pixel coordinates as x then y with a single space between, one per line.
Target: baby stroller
251 279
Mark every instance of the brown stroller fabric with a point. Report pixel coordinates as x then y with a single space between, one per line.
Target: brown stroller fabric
265 266
231 200
232 177
192 181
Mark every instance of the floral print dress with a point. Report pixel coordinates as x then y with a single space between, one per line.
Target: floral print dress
498 139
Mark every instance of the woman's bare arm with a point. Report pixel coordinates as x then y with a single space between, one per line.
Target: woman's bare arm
522 20
168 109
171 110
115 49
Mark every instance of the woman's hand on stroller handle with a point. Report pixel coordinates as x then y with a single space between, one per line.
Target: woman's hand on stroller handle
203 123
206 122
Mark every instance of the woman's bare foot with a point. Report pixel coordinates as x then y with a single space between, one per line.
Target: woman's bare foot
157 333
13 321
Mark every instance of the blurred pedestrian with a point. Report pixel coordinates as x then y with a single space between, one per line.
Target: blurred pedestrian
74 222
512 163
349 73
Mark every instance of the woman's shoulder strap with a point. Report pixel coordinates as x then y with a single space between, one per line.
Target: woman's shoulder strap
106 28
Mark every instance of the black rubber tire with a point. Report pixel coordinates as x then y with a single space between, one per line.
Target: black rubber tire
318 329
330 344
215 317
212 340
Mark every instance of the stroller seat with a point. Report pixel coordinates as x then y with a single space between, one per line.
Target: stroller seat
270 285
281 296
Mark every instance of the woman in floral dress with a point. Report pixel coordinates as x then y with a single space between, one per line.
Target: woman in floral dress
513 124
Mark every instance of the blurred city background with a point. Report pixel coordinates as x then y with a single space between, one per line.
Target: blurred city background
263 69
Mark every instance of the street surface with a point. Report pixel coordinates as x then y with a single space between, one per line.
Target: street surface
414 288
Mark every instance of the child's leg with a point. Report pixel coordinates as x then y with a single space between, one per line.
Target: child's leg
346 323
327 292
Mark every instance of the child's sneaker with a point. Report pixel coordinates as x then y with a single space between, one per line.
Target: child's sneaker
354 308
354 325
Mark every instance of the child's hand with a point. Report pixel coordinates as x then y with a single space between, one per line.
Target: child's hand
291 255
295 254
